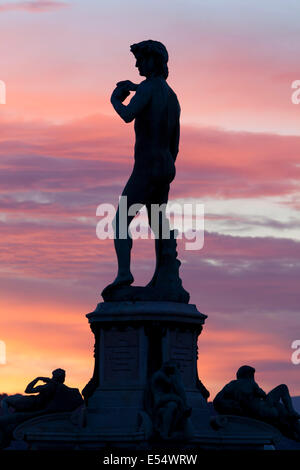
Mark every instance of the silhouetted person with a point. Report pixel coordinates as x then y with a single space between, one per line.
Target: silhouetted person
244 397
51 397
45 393
156 111
169 405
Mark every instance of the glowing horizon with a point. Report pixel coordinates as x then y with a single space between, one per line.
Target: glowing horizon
63 151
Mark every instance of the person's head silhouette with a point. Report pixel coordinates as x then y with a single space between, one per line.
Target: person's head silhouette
59 375
245 372
151 58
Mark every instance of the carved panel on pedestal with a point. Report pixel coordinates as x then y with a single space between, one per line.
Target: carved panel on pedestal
121 356
182 349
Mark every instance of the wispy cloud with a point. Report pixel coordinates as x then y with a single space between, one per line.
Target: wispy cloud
230 71
37 6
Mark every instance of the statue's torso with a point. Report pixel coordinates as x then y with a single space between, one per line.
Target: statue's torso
154 129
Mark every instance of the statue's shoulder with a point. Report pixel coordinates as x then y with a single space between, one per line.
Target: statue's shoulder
231 385
146 84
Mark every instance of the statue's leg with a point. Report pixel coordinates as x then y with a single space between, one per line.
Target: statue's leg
169 419
135 193
123 251
10 402
281 392
159 223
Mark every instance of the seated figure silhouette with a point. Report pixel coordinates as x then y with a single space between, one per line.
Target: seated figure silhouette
54 395
51 397
44 393
166 402
244 397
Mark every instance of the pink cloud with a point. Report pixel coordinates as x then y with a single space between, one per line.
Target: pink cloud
37 6
46 253
98 152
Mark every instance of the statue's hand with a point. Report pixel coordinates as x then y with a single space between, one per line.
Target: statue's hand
128 85
120 93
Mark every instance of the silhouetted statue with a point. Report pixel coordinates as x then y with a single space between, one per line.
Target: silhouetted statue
156 111
44 393
54 396
244 397
166 402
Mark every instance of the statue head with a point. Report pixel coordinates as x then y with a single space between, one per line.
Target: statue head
59 375
245 372
151 58
170 367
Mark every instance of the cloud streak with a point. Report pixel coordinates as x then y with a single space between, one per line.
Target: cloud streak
37 6
62 153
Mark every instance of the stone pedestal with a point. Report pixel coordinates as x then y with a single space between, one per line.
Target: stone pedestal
132 340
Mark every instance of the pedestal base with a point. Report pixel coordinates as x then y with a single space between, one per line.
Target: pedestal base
59 432
132 341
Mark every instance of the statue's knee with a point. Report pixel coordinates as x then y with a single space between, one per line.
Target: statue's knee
283 388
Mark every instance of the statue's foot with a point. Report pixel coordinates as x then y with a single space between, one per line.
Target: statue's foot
152 282
122 279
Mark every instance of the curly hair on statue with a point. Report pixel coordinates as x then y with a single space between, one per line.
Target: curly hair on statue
155 49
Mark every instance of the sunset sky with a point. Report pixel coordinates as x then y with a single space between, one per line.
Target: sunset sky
63 151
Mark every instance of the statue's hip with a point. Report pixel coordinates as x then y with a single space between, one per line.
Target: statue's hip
158 168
